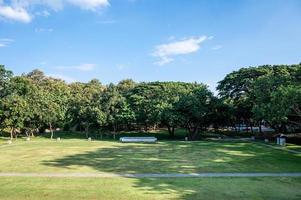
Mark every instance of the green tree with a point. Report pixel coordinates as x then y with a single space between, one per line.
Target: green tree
16 105
194 109
85 105
286 103
116 108
264 89
5 76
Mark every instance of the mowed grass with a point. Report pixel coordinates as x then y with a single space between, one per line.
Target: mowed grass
269 188
79 155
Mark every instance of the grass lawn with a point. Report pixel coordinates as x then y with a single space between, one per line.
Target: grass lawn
79 155
293 147
76 155
150 188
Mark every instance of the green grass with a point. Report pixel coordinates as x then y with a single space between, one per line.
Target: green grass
75 155
79 155
150 188
294 147
287 146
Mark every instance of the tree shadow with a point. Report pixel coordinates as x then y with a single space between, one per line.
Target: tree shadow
180 157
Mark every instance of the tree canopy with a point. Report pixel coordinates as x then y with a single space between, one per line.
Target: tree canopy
269 94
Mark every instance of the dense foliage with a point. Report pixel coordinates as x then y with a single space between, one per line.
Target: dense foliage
265 94
33 102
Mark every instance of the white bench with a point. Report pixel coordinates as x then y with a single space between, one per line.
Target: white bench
138 139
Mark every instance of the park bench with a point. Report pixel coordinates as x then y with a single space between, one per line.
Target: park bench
138 139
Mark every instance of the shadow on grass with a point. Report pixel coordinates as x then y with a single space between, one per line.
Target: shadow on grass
224 188
180 157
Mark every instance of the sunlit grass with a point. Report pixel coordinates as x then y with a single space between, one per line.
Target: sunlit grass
80 155
150 188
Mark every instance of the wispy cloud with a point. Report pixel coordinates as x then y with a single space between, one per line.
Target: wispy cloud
25 10
217 47
39 30
68 79
92 5
81 67
5 42
166 52
43 13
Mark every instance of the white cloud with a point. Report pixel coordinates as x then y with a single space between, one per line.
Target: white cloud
62 77
83 67
90 4
217 47
18 10
167 52
15 13
39 30
5 42
43 13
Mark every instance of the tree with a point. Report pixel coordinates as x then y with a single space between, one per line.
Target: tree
50 100
220 113
248 89
16 106
284 108
264 89
85 106
117 109
146 103
194 109
286 103
5 76
170 96
236 88
125 85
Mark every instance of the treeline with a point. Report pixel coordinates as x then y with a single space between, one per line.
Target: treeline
32 102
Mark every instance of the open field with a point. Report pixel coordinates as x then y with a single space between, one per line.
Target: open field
41 155
75 155
150 188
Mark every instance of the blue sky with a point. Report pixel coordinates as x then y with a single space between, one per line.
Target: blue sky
147 40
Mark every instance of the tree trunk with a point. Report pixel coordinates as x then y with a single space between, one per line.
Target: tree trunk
15 133
50 128
171 131
283 128
114 131
260 129
11 134
193 132
27 134
87 131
